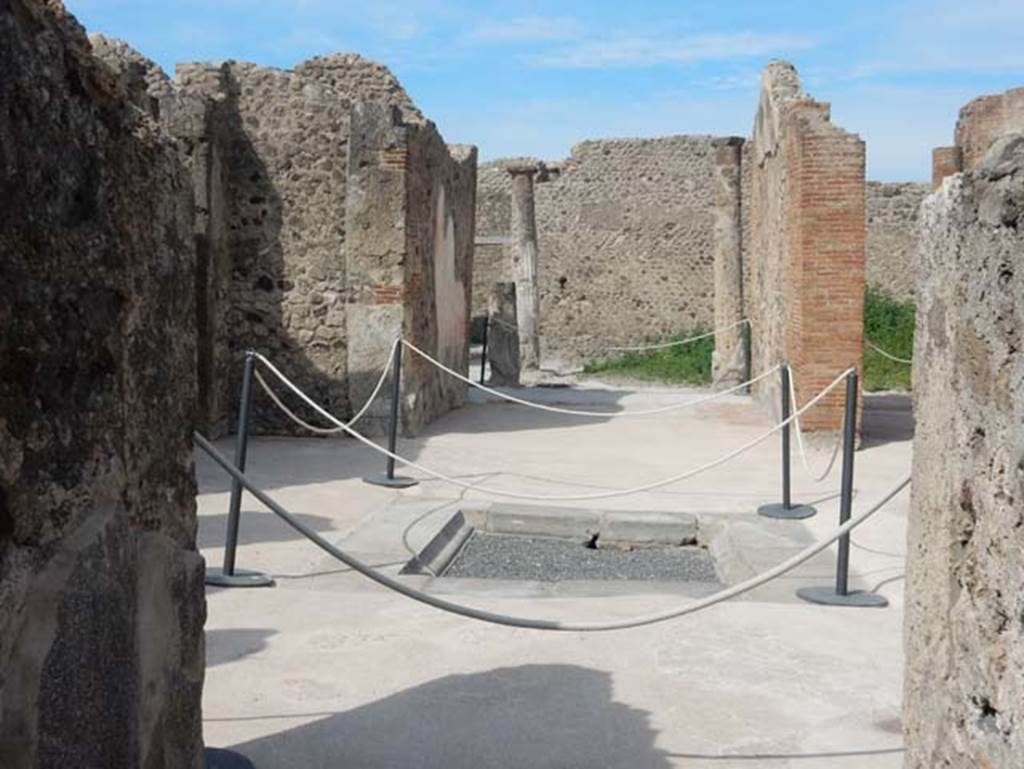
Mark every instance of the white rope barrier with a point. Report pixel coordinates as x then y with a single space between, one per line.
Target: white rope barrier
678 342
531 622
583 412
329 430
817 478
888 355
543 497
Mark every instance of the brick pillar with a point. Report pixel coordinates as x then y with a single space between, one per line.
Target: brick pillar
524 238
825 251
946 161
730 362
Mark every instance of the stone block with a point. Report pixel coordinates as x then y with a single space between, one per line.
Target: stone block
644 529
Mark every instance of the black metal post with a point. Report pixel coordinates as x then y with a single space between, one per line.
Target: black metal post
787 510
389 478
483 352
846 484
841 595
396 402
787 501
228 576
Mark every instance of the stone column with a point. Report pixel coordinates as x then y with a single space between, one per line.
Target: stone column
731 362
524 240
503 336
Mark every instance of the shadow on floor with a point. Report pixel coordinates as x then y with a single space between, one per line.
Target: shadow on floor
537 716
888 418
257 527
223 646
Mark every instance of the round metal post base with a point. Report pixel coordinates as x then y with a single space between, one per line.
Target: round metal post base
241 578
218 758
794 513
396 482
827 596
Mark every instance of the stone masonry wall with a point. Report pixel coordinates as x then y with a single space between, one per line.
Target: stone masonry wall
807 249
625 233
964 626
270 153
415 279
101 593
892 236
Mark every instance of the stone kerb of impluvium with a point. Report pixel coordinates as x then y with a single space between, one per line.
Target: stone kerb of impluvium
524 256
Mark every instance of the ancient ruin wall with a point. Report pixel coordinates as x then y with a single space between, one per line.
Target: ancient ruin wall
985 119
492 251
625 233
892 236
270 154
413 280
964 626
101 594
981 122
807 243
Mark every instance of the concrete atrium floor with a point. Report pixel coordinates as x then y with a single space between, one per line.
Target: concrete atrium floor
327 669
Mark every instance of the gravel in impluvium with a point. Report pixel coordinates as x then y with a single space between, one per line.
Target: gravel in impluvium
545 559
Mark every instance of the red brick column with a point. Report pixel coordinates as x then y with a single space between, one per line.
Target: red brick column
946 161
825 248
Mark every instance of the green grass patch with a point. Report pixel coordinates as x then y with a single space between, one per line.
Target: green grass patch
889 323
684 364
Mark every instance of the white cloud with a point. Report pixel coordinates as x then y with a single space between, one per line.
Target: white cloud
649 51
525 29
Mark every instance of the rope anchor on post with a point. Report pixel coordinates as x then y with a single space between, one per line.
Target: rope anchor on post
786 510
388 477
841 595
229 576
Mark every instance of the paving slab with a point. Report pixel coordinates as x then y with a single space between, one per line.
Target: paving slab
329 670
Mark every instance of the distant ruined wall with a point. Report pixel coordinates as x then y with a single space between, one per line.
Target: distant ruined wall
964 626
807 243
892 236
101 587
625 238
981 122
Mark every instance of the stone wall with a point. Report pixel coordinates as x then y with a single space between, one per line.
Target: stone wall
302 225
892 236
806 249
981 122
101 594
625 233
964 627
413 280
270 156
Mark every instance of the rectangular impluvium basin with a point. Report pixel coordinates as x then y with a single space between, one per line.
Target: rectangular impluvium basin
521 542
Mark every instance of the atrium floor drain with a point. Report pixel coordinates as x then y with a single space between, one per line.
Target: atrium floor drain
518 542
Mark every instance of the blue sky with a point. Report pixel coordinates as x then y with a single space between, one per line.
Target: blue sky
534 78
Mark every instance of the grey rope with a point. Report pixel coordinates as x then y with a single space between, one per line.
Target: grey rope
547 497
529 622
888 355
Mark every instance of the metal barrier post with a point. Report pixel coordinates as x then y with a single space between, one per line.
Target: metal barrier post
841 595
787 510
229 576
388 478
483 352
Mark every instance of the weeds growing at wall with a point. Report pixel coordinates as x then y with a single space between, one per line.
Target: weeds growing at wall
889 323
687 364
